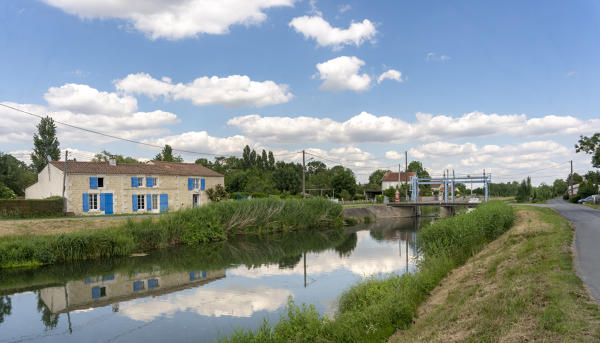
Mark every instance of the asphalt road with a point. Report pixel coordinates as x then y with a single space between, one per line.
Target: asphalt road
587 241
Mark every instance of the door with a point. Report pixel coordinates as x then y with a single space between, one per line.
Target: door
108 203
195 200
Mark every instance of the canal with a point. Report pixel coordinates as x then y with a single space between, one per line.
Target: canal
198 294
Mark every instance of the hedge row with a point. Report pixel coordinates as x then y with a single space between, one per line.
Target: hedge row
31 208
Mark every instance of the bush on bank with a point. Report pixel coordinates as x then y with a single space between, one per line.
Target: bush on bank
213 222
374 309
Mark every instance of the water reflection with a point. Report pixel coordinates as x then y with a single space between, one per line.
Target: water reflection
206 291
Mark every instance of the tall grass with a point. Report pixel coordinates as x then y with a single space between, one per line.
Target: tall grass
213 222
374 309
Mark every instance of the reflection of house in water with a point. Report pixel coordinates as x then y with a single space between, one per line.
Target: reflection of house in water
105 290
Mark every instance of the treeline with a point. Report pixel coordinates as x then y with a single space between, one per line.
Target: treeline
259 173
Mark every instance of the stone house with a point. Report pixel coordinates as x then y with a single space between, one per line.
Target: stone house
390 179
93 188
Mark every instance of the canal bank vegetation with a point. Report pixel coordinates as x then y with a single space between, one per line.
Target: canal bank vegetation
213 222
520 288
374 309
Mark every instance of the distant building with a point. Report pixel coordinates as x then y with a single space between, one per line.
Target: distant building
391 179
109 188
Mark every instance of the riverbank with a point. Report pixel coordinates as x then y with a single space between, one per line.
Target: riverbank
521 287
209 223
372 310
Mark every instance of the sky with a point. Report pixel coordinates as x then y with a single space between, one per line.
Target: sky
506 87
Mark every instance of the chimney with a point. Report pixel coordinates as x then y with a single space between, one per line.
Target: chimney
112 161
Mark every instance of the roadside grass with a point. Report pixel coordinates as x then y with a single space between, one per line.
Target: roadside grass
209 223
521 287
372 310
594 206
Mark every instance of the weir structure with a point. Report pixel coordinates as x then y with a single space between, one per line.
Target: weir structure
447 204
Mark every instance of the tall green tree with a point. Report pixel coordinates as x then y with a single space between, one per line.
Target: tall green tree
45 144
15 174
560 187
166 155
376 177
343 179
104 156
417 167
590 145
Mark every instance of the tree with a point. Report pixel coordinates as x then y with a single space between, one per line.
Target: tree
376 177
45 144
104 156
15 174
271 161
590 145
417 167
288 177
5 307
217 193
523 192
167 155
586 189
560 187
315 167
343 179
6 193
205 162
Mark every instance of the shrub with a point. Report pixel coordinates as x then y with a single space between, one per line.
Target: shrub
31 208
359 197
379 199
217 193
566 196
6 193
575 198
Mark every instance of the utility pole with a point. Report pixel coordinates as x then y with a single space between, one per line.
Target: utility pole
571 178
303 176
65 182
405 175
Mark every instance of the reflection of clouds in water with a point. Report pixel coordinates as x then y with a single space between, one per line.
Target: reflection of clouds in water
235 302
369 258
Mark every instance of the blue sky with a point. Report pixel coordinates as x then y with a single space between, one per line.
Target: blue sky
508 85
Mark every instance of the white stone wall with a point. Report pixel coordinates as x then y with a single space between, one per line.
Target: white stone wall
50 183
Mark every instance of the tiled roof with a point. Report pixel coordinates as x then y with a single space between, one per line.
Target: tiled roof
392 176
150 168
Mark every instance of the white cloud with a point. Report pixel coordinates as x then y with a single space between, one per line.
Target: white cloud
433 57
230 301
341 73
317 28
230 91
174 19
85 99
391 74
201 141
366 127
345 8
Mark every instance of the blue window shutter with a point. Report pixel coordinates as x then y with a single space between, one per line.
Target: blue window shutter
204 274
86 202
148 202
93 183
192 276
102 201
164 202
190 183
202 184
137 285
95 292
134 202
134 182
151 283
149 182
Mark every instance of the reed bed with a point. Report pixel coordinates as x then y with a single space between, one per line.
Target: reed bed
213 222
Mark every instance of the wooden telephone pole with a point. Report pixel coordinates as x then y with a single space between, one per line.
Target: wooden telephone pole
303 176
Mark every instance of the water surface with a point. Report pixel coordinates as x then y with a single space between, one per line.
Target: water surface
198 294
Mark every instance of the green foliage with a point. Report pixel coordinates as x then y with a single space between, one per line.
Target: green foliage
5 307
590 145
45 144
216 221
31 208
586 189
390 193
574 198
217 193
6 193
374 309
345 195
376 178
166 155
104 156
379 199
560 186
417 167
523 193
15 174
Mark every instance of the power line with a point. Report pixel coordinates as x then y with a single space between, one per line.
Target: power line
117 137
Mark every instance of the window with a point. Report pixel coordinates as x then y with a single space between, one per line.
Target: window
140 182
196 183
155 201
98 292
138 286
153 283
100 182
154 181
93 199
141 203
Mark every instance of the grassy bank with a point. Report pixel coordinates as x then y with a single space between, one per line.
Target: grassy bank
522 287
374 309
213 222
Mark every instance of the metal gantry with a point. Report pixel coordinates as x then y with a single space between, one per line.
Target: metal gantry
449 181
